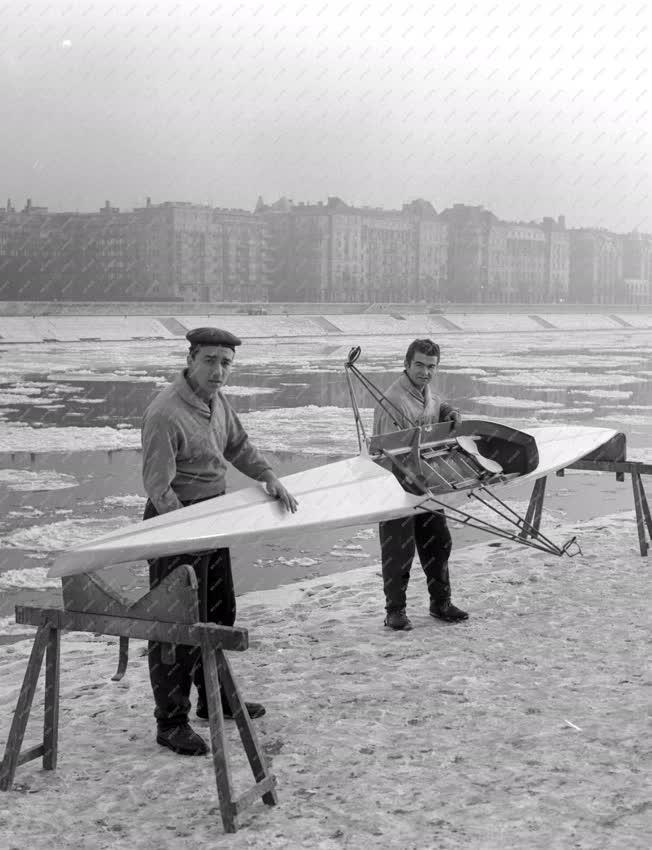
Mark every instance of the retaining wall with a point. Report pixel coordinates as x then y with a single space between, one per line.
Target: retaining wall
106 328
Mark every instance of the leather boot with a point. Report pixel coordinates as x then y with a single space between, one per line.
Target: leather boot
398 620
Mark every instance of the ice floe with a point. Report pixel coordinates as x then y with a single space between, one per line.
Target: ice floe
244 391
605 393
509 401
46 479
62 534
129 501
20 437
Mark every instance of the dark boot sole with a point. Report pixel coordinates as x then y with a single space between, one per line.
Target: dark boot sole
226 713
449 619
181 751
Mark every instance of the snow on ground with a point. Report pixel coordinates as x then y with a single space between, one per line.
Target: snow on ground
523 728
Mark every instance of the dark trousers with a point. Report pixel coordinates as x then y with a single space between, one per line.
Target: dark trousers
399 539
171 683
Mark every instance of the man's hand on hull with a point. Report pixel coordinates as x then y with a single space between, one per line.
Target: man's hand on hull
278 491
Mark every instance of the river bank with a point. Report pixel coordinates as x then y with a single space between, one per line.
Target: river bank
522 727
171 325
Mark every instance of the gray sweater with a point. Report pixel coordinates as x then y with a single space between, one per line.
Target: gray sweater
423 409
186 446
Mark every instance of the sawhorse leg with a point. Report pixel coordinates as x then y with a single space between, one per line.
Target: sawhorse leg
643 517
247 734
46 638
123 660
230 806
533 516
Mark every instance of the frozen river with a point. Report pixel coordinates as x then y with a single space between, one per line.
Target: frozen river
66 410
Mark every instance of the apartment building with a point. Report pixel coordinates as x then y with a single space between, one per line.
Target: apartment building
336 252
503 262
596 267
637 268
61 256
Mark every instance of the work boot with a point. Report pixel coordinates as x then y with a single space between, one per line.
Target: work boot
398 620
448 612
182 739
254 709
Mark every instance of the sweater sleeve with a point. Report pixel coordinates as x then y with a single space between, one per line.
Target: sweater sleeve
448 412
240 451
391 417
383 422
160 443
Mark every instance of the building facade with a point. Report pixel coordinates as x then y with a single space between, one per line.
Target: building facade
68 256
502 262
200 253
637 268
336 252
596 267
177 251
323 252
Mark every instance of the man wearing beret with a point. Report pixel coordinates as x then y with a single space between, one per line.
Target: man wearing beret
189 433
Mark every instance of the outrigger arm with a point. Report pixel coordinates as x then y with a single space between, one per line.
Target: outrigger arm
467 454
523 528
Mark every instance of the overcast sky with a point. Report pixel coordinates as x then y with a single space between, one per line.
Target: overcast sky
528 108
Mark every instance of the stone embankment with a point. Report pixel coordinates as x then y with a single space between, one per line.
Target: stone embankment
101 326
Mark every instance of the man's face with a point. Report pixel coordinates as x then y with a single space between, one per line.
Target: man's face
422 368
210 367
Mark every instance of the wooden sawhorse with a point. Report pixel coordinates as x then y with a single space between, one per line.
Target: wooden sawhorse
137 623
632 467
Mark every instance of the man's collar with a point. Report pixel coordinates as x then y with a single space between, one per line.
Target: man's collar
409 384
412 388
183 387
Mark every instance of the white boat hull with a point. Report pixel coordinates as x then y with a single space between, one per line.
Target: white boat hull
351 492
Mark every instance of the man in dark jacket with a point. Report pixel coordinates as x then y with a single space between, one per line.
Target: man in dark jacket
189 433
412 401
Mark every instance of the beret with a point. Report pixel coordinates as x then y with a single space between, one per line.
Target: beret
212 336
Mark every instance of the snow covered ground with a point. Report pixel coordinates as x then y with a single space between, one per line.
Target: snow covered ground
524 727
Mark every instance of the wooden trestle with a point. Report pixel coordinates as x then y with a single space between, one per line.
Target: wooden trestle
622 467
168 613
